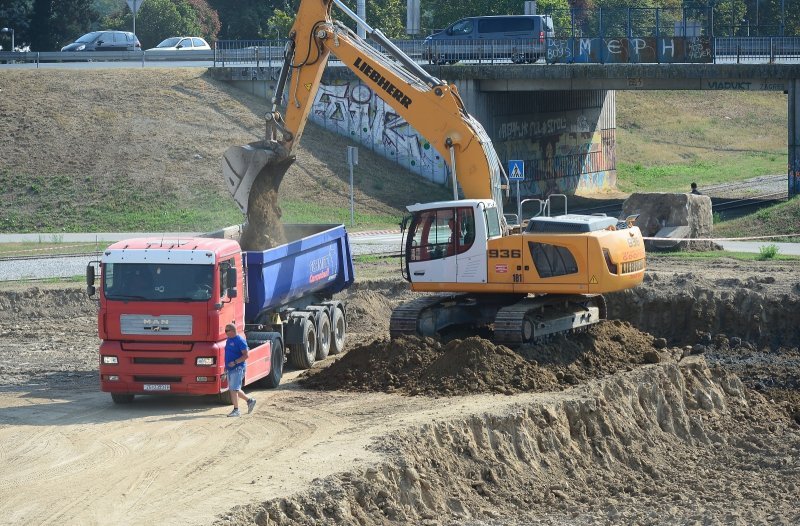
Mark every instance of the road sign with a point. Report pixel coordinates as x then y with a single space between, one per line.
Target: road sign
516 170
134 5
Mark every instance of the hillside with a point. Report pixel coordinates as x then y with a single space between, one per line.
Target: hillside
139 149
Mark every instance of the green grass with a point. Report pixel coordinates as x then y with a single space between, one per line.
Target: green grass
743 256
780 219
303 212
48 248
638 177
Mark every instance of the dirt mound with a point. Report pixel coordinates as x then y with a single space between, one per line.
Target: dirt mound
39 303
653 446
475 365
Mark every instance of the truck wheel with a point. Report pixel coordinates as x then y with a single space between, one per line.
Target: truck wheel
272 380
323 336
120 398
303 355
338 328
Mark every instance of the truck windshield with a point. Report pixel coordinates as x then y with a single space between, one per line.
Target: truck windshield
157 282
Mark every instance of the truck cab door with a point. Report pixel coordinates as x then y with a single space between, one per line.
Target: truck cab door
232 308
431 247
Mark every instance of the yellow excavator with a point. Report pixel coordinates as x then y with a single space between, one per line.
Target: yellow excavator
517 284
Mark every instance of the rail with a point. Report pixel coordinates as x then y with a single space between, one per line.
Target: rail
551 50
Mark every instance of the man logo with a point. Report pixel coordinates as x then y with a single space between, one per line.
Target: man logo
155 324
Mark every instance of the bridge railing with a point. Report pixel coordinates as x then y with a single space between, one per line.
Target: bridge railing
567 50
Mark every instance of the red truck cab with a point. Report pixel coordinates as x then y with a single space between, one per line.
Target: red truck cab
164 304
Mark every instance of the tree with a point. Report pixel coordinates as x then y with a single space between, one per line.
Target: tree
245 19
16 14
278 25
160 19
54 24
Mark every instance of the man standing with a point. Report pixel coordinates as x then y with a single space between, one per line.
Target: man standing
695 191
236 352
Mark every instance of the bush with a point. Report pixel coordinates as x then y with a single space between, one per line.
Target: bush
768 251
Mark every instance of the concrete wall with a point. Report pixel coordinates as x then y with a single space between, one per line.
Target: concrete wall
565 138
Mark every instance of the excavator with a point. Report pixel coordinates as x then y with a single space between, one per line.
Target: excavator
517 283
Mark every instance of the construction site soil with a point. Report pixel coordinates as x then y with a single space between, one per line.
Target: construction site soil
682 408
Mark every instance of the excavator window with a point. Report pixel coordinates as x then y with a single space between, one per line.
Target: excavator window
552 260
442 232
492 223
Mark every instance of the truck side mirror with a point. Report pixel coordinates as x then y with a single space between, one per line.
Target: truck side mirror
232 277
90 288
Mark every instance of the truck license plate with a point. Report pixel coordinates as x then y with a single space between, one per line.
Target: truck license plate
156 387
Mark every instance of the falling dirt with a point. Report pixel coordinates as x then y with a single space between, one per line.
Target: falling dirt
264 229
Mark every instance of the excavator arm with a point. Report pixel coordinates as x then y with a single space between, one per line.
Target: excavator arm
430 105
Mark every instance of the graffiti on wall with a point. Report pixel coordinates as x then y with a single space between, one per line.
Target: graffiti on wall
564 151
562 154
794 173
350 108
630 50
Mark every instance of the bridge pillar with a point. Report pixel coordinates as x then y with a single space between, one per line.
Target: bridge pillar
566 138
794 137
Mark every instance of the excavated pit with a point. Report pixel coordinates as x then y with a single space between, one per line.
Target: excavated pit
686 412
664 444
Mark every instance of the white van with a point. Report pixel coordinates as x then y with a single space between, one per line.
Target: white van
520 38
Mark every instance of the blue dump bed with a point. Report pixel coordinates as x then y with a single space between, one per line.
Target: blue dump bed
315 260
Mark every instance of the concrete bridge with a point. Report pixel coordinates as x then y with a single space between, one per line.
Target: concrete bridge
566 133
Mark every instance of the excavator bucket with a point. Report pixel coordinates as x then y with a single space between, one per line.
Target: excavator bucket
253 174
243 165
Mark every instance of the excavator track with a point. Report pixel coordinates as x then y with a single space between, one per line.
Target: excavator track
532 320
405 318
528 320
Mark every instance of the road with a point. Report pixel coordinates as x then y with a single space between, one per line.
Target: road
362 243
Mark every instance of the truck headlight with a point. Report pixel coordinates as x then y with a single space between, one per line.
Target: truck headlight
110 360
206 360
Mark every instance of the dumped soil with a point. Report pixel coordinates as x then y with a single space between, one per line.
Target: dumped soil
417 366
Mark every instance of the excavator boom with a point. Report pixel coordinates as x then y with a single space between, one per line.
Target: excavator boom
433 107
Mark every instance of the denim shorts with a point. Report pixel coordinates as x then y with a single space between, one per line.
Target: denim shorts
236 377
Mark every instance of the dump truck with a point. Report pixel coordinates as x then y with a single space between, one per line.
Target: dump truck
164 304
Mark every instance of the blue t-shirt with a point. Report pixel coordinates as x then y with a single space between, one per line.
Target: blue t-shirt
234 349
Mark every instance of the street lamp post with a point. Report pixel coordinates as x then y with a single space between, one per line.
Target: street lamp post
9 30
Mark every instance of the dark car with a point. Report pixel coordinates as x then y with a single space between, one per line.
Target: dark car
105 41
521 38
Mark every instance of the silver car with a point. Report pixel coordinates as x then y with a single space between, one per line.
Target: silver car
105 41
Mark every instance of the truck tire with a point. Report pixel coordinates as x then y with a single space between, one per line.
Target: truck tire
120 398
338 329
323 335
272 380
304 354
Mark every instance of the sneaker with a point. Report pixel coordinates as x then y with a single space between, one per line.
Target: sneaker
250 405
235 412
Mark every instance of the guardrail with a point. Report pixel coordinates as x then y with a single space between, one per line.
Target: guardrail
269 53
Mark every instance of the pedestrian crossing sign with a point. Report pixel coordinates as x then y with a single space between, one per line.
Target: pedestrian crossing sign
516 170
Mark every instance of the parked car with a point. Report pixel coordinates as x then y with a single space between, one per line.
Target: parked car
521 38
105 41
181 44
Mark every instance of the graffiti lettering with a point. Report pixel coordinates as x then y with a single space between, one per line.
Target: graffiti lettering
740 86
522 130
